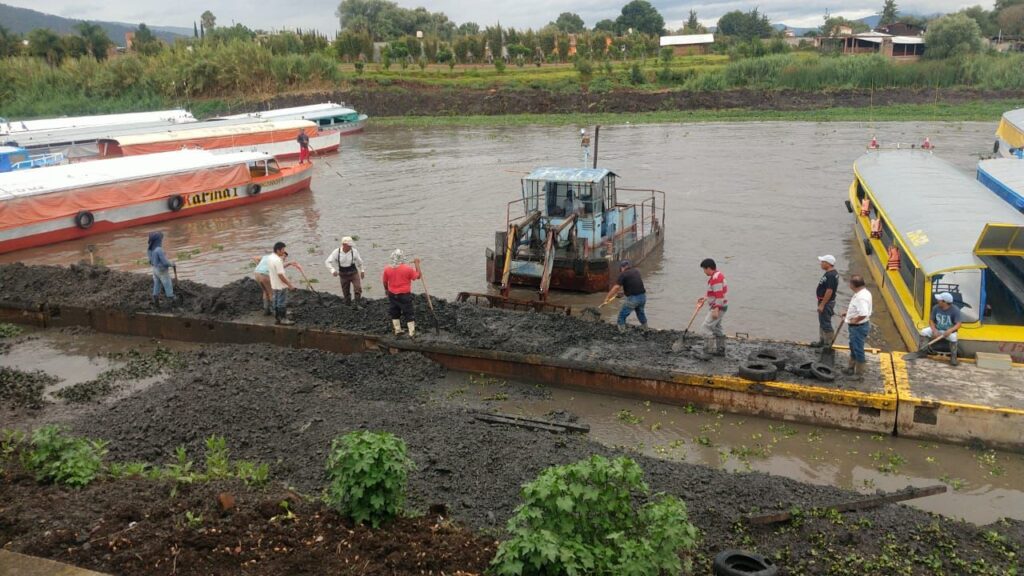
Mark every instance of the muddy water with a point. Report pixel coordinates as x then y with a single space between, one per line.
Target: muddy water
764 199
983 486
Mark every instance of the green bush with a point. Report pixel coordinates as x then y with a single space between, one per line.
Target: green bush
583 518
368 473
56 457
636 75
499 65
585 67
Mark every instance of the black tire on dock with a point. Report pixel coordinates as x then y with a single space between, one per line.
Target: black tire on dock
769 356
823 372
740 563
84 219
868 249
758 371
254 189
802 369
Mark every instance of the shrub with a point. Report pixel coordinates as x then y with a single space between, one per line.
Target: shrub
666 55
367 473
636 75
583 518
360 67
56 457
499 65
584 67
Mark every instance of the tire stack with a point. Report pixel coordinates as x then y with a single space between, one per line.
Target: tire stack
764 366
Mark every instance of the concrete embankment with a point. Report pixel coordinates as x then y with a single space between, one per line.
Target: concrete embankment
924 399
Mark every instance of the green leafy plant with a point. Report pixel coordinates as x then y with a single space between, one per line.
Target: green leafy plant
193 520
180 471
368 473
251 473
128 469
583 518
218 465
57 457
8 330
10 442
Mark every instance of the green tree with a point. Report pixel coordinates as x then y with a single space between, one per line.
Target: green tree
986 20
1004 4
834 23
693 25
889 13
96 40
745 25
607 25
10 43
45 43
952 36
642 17
145 42
353 45
73 46
469 29
569 22
209 21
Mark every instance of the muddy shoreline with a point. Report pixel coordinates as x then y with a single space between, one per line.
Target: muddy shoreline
283 407
417 100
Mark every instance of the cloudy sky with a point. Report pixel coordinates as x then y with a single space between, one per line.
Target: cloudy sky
319 14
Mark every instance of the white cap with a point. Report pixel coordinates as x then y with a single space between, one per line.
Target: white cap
346 241
945 297
828 258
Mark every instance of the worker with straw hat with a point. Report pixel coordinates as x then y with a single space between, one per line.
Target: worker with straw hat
398 278
346 264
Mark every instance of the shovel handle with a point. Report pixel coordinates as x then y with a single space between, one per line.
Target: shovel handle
836 334
693 317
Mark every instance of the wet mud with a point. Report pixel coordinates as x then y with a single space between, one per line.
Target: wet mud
467 325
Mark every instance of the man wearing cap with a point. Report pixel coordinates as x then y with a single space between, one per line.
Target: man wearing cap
347 265
945 321
632 285
826 293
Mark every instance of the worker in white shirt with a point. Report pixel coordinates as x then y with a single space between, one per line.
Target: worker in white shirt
346 264
279 283
858 322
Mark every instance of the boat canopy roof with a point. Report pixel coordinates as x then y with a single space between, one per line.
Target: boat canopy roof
1007 171
176 116
1011 128
25 183
212 131
581 175
938 212
311 112
10 149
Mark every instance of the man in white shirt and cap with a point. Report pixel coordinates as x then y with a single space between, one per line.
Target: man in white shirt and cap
858 322
945 321
346 264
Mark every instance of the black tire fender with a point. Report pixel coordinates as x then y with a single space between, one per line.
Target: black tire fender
849 206
802 369
740 563
995 147
823 372
176 203
758 371
769 356
84 219
253 189
868 249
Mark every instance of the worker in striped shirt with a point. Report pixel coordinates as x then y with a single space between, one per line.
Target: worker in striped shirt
718 304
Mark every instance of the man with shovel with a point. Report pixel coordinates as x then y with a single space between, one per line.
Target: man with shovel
826 293
397 279
631 284
944 323
718 303
279 283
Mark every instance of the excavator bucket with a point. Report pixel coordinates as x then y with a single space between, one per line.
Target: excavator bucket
504 302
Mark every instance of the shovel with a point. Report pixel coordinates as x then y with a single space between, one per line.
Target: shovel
924 350
679 344
310 286
828 355
430 303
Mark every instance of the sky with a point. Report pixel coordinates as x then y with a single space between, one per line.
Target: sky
319 14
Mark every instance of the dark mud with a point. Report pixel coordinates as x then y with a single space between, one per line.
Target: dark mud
20 389
568 338
137 365
417 100
284 406
131 527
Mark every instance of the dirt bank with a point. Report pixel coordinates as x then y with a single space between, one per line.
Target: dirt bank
569 338
283 407
416 100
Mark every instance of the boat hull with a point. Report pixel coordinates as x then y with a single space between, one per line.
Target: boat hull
576 274
64 229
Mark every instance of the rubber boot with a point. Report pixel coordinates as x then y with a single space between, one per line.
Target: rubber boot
922 345
849 367
709 348
397 327
719 345
412 329
621 327
821 343
283 320
954 350
267 310
827 337
858 370
155 301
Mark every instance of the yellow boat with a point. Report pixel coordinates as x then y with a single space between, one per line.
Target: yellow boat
950 234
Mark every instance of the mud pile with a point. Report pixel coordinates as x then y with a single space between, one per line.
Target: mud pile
284 406
468 325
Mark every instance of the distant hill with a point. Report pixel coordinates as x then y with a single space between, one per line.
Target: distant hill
23 21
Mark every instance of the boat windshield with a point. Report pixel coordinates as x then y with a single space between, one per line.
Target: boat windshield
560 199
966 287
264 168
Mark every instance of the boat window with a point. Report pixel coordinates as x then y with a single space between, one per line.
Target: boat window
532 190
564 198
258 169
273 167
1004 290
18 157
966 288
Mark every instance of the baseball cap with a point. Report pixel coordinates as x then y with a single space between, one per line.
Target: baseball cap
828 258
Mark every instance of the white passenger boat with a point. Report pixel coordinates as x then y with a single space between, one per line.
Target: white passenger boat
330 117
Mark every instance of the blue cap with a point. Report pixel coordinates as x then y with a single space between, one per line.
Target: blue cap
624 264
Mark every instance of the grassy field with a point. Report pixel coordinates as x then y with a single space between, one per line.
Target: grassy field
987 111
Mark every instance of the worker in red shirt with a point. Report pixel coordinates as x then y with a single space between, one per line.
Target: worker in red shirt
718 303
398 277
